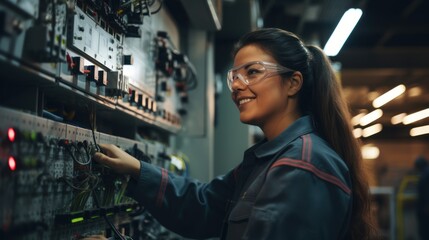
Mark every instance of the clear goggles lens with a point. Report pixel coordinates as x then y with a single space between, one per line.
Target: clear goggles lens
253 72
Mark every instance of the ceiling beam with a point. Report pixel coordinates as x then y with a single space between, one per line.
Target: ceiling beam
384 58
266 9
404 15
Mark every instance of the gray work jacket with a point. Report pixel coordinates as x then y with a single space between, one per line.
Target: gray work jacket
293 187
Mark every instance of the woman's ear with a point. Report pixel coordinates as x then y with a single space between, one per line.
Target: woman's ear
296 81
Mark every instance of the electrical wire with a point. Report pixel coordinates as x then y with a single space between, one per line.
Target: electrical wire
159 8
95 196
91 125
115 230
68 149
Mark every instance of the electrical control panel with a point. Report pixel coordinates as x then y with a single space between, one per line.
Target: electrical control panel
114 52
80 73
88 36
51 188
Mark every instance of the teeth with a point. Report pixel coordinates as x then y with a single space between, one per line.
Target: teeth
245 100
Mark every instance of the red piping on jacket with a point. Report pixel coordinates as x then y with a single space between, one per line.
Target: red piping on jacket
310 167
162 187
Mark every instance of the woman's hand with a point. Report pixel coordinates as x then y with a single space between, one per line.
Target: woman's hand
118 160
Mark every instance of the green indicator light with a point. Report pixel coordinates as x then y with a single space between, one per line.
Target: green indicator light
33 135
109 214
129 209
75 220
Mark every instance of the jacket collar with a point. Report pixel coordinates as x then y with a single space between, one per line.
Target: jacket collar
301 126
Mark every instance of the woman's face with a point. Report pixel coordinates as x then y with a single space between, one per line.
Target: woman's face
263 102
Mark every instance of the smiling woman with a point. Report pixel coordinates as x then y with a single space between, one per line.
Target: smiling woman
262 96
302 181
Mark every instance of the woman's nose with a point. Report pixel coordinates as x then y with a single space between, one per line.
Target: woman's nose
238 84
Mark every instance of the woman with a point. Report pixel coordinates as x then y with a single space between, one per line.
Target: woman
303 181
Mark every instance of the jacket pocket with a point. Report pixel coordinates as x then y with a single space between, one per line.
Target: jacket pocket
238 220
241 211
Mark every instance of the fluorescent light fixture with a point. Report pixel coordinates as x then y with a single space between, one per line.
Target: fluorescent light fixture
371 130
414 117
417 131
389 96
370 151
357 132
342 31
356 119
371 117
415 91
397 119
372 95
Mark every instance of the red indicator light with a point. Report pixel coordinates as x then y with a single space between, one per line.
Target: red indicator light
12 163
11 134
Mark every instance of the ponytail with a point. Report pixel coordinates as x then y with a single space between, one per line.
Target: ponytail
332 119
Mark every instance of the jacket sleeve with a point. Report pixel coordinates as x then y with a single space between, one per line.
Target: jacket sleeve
183 205
295 204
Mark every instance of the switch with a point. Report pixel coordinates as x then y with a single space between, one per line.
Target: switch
92 71
102 78
154 107
150 106
127 60
134 18
164 114
146 103
132 96
133 32
140 100
78 66
163 86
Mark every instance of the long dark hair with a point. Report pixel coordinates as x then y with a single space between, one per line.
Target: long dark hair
321 97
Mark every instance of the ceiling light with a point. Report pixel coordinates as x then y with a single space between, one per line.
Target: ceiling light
342 31
417 131
357 132
389 96
372 95
415 91
371 130
371 117
355 120
370 151
414 117
397 119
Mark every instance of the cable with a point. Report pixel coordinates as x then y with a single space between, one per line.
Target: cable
115 230
159 8
91 125
95 196
67 147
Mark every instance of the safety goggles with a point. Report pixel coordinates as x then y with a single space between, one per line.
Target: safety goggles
254 72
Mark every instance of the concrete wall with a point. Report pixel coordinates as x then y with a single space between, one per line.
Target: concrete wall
196 139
